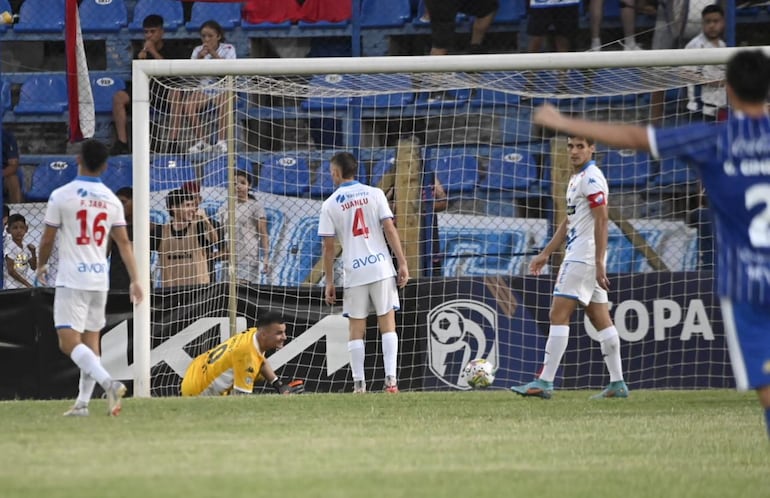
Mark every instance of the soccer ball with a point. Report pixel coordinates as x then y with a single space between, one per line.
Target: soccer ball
479 373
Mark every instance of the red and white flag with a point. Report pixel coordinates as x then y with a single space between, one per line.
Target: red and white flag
80 99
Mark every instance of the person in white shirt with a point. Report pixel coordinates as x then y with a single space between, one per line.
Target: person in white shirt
582 277
20 260
359 217
713 94
84 213
213 47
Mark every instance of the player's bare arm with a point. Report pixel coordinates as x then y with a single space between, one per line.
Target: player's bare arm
46 246
10 265
120 236
537 263
613 134
391 234
601 220
328 258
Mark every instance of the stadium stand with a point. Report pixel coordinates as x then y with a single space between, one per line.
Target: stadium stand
215 170
171 11
42 94
170 172
41 16
99 16
457 170
378 14
119 172
284 175
103 89
50 175
228 15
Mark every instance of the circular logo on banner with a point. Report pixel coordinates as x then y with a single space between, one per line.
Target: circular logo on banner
333 78
58 165
105 81
287 161
513 157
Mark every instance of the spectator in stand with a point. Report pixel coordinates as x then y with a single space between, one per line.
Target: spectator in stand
154 47
214 250
713 95
250 231
213 47
562 16
182 243
20 260
627 18
11 184
442 22
119 278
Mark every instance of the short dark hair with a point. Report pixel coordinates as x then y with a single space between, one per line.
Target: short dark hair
712 9
93 154
177 198
125 192
216 27
589 141
248 176
347 164
269 318
152 21
16 217
748 74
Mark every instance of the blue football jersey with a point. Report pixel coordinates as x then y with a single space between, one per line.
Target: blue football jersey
733 161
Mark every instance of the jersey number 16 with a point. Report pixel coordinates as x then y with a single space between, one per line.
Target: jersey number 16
98 231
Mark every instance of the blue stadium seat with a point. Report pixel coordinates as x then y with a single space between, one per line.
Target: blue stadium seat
556 83
379 14
119 173
228 15
388 84
170 10
303 252
675 174
381 168
284 175
626 169
512 81
42 94
103 15
159 216
50 175
170 172
622 257
443 99
323 185
335 81
510 11
41 16
509 169
215 171
614 83
212 207
472 251
103 89
457 170
5 95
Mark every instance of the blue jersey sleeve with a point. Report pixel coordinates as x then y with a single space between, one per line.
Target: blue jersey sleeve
696 143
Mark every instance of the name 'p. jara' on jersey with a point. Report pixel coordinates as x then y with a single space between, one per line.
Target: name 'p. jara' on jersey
748 167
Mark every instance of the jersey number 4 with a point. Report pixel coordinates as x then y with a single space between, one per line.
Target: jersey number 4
98 231
359 224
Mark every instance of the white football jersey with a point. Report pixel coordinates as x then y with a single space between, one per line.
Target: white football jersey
587 189
354 214
84 211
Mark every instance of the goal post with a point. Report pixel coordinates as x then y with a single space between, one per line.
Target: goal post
284 118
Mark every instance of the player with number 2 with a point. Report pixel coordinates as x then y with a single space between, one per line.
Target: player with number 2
732 159
84 213
360 218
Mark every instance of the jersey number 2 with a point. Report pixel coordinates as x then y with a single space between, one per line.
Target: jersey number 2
359 224
98 232
759 229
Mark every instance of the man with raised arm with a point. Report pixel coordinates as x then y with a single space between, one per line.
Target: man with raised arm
84 213
360 218
732 159
583 276
235 365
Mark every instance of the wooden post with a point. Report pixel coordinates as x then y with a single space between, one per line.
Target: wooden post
561 170
408 197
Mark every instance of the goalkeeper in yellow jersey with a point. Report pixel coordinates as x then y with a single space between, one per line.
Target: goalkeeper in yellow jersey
234 366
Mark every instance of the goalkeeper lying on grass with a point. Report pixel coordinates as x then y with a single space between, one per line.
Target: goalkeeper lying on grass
234 366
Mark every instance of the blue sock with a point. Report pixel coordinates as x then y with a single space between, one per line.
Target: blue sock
767 420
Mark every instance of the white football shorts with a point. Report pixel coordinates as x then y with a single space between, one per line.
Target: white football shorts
79 310
577 280
382 295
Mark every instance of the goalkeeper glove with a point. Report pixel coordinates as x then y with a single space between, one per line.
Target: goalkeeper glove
293 387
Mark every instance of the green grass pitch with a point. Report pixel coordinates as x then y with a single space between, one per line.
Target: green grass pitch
448 444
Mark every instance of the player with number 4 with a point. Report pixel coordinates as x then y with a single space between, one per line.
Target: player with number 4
360 218
84 213
732 159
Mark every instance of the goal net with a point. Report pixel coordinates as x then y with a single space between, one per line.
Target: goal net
226 213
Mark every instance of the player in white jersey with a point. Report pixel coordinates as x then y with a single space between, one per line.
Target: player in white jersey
582 277
359 217
732 159
84 213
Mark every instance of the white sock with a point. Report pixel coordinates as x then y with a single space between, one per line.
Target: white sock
89 364
596 43
390 353
629 41
555 346
610 343
356 350
85 388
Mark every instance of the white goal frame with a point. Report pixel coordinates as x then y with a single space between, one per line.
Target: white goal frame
143 70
